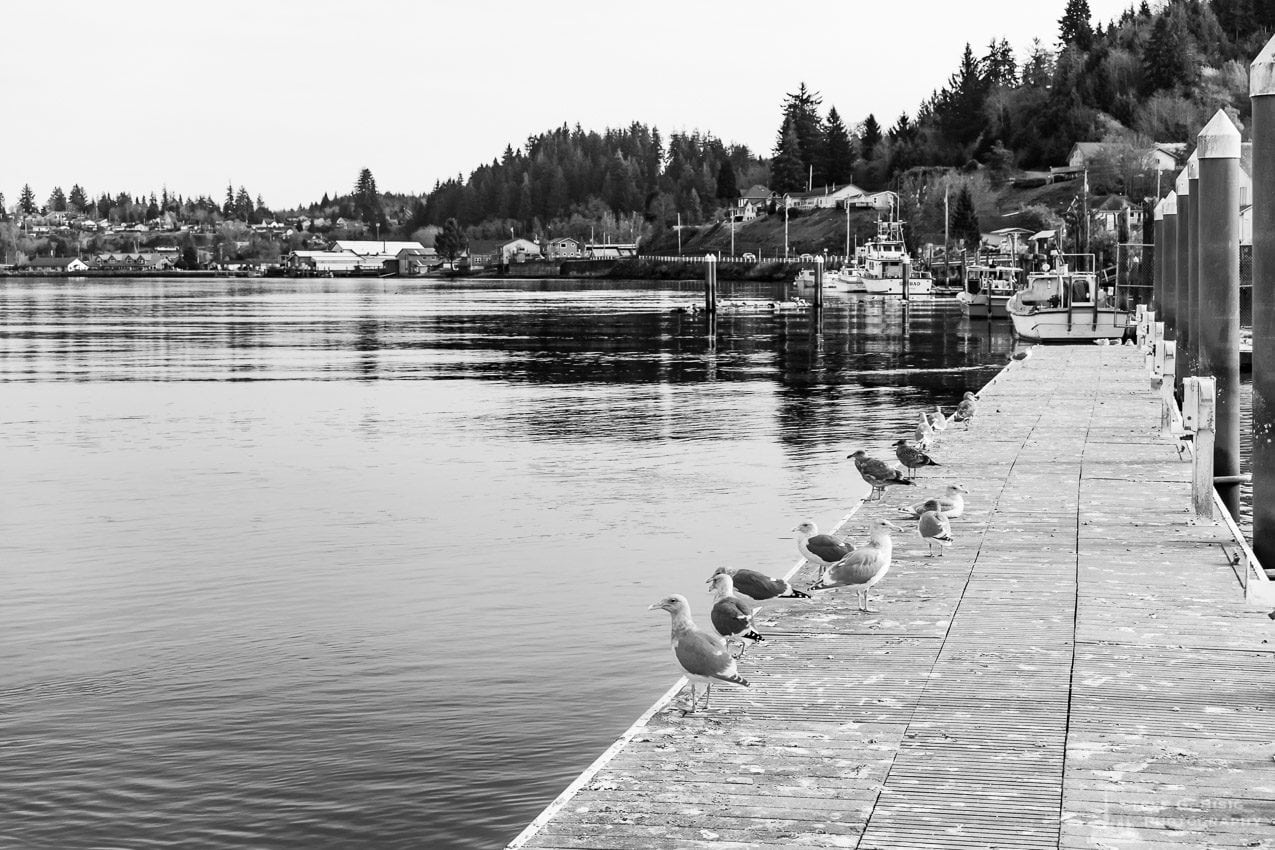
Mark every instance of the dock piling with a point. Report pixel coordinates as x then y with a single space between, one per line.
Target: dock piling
1182 278
1262 92
710 284
1216 203
1198 417
1157 260
819 282
1192 352
1169 309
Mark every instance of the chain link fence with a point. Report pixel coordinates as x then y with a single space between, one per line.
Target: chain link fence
1135 271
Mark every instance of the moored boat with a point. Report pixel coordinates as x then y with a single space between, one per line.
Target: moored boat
884 257
988 290
1065 306
841 280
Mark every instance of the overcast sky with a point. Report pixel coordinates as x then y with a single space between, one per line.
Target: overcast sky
291 99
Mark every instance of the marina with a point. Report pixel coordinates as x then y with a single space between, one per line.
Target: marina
1080 669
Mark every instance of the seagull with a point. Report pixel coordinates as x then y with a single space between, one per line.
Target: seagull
878 473
911 456
864 567
966 409
951 503
758 586
703 655
823 549
937 420
924 434
934 527
731 616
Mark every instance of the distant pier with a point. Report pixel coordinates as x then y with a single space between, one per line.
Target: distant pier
1080 670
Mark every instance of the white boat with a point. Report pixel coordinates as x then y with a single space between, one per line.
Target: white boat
882 259
988 290
1065 306
842 280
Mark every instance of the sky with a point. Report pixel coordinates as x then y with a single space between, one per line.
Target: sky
291 99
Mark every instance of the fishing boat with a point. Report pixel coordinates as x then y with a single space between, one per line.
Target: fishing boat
988 290
1065 306
883 259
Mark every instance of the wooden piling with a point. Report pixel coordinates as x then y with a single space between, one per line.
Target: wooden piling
710 284
1262 91
1217 332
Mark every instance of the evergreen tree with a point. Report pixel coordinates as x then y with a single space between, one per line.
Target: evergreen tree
78 201
999 65
802 109
958 108
367 201
1074 27
839 164
325 203
1038 70
869 137
26 201
964 223
228 206
786 174
449 242
243 205
727 189
57 200
4 213
1166 60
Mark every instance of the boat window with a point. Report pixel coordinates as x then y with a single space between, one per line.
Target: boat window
1080 291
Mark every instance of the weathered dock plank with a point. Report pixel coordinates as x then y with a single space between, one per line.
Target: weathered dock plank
1080 670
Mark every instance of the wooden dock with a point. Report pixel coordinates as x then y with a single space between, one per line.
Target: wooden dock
1080 670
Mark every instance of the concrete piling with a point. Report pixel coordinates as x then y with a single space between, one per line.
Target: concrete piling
1262 92
1215 203
1169 250
1193 267
1182 278
1157 261
710 284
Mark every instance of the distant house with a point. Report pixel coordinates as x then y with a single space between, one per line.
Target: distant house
829 197
753 203
322 262
416 261
564 248
1114 210
1162 156
1007 239
60 264
368 247
519 251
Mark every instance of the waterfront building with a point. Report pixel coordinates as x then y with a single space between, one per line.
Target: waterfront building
563 248
519 251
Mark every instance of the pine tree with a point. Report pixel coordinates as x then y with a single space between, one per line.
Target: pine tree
786 172
243 205
1038 70
26 201
449 242
1165 61
802 108
727 188
869 137
78 201
839 160
367 200
57 200
958 108
228 207
4 213
1074 27
999 66
965 220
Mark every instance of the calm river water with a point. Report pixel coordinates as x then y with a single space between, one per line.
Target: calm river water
367 563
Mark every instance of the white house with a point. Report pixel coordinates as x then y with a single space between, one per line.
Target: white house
369 247
416 261
827 198
59 264
610 250
519 251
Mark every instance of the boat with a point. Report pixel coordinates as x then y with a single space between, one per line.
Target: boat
1065 306
842 280
883 258
988 289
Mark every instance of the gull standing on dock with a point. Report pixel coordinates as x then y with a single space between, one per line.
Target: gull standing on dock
966 409
951 503
934 528
730 615
878 473
924 434
758 586
822 549
938 421
863 568
703 655
912 456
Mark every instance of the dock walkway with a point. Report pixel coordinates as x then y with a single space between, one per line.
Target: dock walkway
1080 670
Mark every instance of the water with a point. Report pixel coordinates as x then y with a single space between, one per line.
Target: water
366 563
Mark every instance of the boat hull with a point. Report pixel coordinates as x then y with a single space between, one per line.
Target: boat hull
978 306
1058 324
894 286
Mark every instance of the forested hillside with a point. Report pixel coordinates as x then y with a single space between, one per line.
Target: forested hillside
1154 75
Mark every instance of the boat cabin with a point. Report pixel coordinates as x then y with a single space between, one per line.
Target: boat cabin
1062 289
993 280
